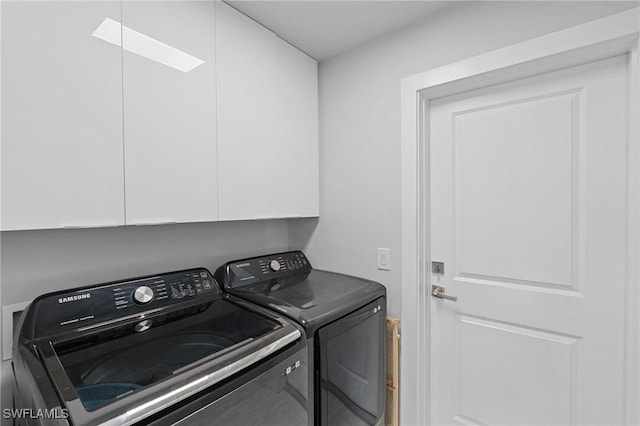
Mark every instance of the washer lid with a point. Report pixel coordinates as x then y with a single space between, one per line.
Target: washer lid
121 375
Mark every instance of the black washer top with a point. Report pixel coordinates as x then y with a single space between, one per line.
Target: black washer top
313 298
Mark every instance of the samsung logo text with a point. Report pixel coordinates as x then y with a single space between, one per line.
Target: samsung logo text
74 298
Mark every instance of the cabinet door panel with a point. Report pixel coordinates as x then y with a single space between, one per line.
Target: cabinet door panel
267 118
297 131
246 117
61 116
170 111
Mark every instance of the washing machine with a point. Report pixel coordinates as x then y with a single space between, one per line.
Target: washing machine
163 349
344 320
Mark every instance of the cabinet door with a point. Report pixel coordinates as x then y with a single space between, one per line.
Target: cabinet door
169 111
297 131
247 110
267 117
61 116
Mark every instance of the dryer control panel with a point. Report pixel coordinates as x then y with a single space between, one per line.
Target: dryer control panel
84 307
257 269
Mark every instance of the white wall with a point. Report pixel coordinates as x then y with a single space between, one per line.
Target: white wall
36 262
360 124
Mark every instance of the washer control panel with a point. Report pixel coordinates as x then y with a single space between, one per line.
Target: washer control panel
257 269
96 304
163 290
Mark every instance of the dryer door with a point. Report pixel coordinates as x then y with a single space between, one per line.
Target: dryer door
350 389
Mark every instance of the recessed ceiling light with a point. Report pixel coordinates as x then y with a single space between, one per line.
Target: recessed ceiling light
113 32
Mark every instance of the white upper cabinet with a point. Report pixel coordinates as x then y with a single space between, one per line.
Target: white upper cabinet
267 123
145 112
61 117
296 135
170 111
246 117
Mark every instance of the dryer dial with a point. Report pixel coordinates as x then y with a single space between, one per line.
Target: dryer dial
274 265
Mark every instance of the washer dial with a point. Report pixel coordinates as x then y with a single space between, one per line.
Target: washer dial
142 295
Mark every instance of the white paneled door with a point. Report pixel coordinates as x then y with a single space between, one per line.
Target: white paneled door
528 215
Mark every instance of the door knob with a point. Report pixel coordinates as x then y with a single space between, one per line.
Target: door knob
438 292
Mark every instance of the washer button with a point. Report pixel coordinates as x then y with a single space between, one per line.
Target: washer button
143 326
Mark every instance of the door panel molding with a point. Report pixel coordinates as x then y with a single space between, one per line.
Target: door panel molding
536 286
543 131
596 40
488 348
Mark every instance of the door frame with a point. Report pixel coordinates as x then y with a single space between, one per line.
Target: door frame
595 40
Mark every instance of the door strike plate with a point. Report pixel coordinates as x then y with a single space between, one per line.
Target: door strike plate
437 267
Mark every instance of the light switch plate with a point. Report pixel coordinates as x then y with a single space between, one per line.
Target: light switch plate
384 259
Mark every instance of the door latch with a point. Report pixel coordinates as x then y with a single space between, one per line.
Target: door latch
438 291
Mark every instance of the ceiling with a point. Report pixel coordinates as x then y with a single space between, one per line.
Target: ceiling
327 28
